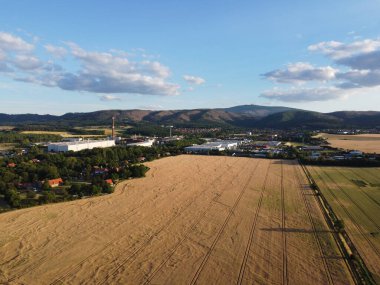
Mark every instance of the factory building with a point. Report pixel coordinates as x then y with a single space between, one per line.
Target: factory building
80 145
146 143
212 146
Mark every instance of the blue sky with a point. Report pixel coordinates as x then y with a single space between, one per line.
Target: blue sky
77 56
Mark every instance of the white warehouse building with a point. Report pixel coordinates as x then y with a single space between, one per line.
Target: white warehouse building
218 145
80 145
147 143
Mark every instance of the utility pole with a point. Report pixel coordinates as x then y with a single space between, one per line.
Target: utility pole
170 128
113 128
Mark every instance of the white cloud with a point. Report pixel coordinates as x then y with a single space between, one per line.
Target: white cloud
360 73
194 79
304 94
370 60
359 78
301 72
26 62
99 72
337 50
110 98
9 42
106 73
151 107
58 52
4 67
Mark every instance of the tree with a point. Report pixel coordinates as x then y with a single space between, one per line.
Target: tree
31 194
96 190
13 197
339 225
46 186
47 197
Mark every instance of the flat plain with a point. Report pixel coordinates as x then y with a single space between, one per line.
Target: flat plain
192 220
364 142
354 194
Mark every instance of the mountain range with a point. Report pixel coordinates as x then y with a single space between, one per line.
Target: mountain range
250 116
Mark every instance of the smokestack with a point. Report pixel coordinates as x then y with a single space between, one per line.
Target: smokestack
113 127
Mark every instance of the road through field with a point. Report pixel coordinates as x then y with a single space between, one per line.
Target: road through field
192 220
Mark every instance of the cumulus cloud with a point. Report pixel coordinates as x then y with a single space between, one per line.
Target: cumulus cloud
151 107
338 50
359 71
110 98
99 72
26 62
4 67
304 94
359 78
369 60
194 79
9 42
58 52
103 72
301 72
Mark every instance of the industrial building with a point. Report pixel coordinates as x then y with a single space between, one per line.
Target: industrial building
146 143
80 145
212 146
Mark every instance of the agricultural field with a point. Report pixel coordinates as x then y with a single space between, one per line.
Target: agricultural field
107 131
6 128
192 220
364 142
6 146
354 194
62 134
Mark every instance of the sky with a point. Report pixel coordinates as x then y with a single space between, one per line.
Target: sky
86 55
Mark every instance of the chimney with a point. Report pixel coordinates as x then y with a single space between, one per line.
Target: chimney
113 128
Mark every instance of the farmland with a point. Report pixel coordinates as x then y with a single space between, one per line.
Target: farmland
192 220
62 134
354 194
364 142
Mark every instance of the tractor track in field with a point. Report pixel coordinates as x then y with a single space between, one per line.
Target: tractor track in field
285 277
219 234
193 226
252 231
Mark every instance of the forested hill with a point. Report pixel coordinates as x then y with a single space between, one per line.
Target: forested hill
252 116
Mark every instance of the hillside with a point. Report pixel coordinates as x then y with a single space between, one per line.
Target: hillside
252 116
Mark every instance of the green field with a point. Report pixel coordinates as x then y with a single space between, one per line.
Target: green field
354 194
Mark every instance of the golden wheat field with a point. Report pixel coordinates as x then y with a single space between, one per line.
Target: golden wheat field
192 220
364 142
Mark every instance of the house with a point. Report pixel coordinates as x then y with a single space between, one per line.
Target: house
141 159
11 165
55 182
356 153
99 171
109 182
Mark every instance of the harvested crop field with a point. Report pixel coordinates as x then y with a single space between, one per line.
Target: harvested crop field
365 142
354 194
192 220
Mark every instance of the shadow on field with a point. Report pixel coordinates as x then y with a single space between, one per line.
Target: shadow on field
293 230
285 161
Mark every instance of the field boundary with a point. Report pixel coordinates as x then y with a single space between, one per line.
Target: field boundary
353 259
